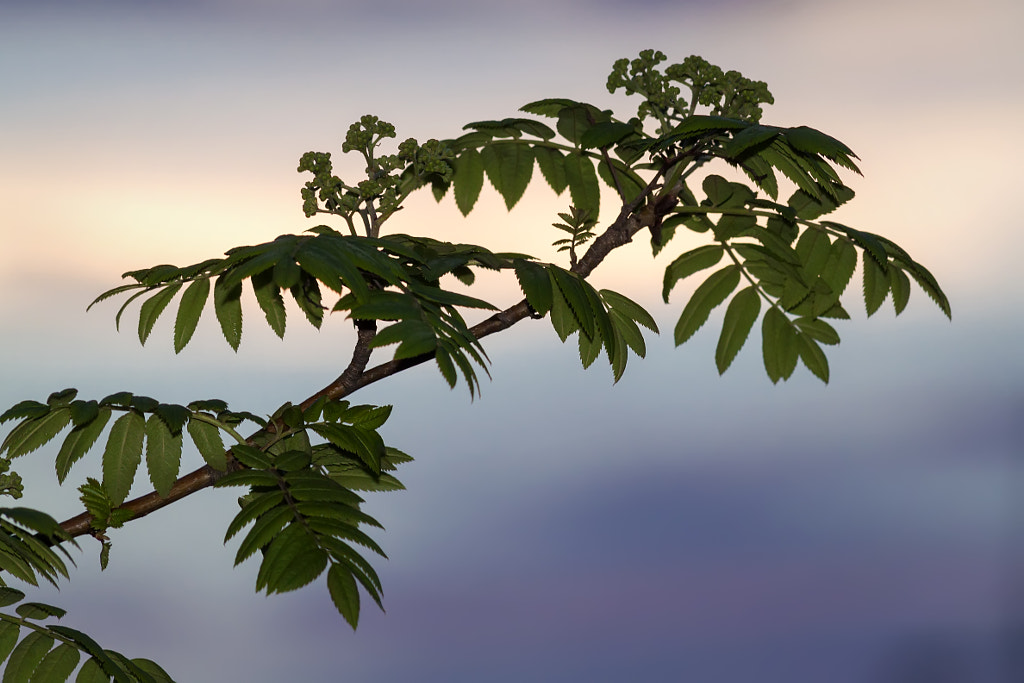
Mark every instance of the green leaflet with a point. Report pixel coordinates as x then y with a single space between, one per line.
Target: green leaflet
509 166
25 409
227 301
707 296
189 310
739 319
747 140
267 527
689 263
208 442
779 345
268 296
536 285
293 559
58 664
818 329
839 267
876 285
468 180
562 317
814 249
574 292
605 134
582 180
153 307
628 308
26 657
552 167
31 434
122 455
812 356
344 593
79 441
573 122
163 454
899 285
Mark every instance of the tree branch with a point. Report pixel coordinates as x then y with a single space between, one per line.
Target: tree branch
635 216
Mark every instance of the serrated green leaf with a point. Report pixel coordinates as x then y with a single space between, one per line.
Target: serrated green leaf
34 433
509 166
227 300
876 285
208 442
38 610
839 267
629 308
812 356
57 665
163 455
9 633
814 249
626 330
83 412
930 285
265 529
899 285
292 561
582 180
344 593
779 345
25 409
252 457
573 122
189 311
563 320
536 285
574 292
605 134
552 167
152 669
468 180
590 349
152 308
707 296
26 656
739 319
268 296
122 455
818 330
287 273
9 596
92 672
689 263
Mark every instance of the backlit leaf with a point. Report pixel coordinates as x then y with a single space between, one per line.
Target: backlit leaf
153 307
708 295
79 441
32 434
739 319
122 455
227 301
189 311
344 593
468 180
268 296
778 344
689 263
876 285
583 185
163 455
208 442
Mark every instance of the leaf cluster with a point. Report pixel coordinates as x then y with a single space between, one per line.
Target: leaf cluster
50 653
301 503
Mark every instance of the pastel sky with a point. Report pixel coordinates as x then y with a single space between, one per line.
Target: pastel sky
676 526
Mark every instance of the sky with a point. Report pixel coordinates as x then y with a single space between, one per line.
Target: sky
675 526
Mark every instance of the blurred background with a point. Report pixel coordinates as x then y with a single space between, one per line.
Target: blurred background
678 526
